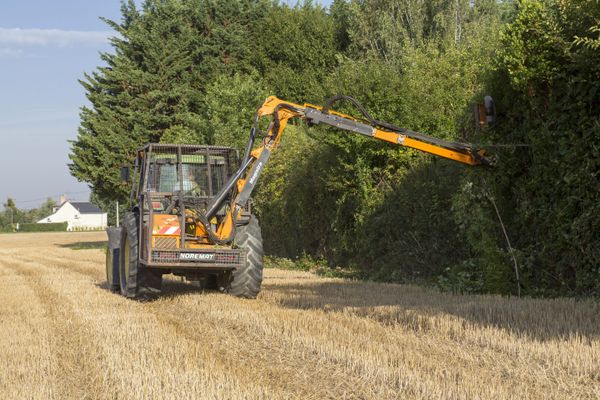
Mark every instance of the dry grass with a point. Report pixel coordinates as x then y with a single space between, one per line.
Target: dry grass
63 336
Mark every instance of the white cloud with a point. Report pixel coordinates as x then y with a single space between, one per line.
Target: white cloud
51 37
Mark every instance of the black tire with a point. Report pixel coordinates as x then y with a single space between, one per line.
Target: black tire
112 271
137 281
246 280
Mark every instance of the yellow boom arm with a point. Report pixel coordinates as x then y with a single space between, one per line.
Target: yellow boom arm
281 111
284 110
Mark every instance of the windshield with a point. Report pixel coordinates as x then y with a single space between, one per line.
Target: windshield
197 178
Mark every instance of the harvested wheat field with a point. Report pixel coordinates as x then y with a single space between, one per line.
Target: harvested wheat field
64 336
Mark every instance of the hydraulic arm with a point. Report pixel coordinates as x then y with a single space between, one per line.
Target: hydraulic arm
254 160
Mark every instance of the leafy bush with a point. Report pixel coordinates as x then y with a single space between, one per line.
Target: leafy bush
316 266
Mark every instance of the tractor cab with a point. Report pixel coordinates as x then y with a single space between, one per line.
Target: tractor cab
175 185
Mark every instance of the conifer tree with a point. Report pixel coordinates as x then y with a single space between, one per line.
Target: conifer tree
152 86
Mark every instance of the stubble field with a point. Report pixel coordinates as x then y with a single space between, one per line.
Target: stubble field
64 336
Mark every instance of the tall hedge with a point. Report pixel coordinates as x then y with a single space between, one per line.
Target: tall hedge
547 88
194 71
49 227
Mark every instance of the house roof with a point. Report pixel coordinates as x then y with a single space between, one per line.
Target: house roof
86 208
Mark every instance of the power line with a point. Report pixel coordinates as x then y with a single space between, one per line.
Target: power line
46 198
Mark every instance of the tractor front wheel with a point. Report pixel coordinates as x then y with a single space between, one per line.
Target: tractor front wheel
137 281
246 280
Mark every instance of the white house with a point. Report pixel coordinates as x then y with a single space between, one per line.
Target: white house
78 215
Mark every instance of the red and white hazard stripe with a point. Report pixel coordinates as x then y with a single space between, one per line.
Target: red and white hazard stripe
170 230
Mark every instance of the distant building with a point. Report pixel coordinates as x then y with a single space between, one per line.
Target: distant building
78 215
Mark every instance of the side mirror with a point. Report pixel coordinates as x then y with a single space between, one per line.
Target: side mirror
125 174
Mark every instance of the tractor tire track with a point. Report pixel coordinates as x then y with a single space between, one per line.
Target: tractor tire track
290 366
390 378
82 362
26 340
69 341
304 337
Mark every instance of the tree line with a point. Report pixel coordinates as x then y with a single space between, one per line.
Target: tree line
194 71
12 215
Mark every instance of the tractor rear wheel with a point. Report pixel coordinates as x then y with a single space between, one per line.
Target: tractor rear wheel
246 280
137 281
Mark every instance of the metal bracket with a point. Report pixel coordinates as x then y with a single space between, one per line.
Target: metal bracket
316 117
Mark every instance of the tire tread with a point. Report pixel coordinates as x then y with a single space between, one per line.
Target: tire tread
247 280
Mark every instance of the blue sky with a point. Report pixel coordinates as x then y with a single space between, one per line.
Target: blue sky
45 47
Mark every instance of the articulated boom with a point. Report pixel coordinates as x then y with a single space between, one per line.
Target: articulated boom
281 111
